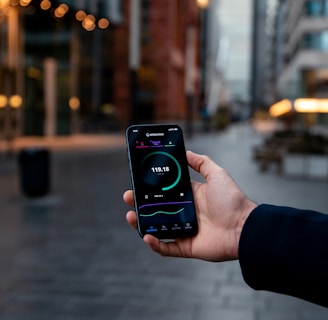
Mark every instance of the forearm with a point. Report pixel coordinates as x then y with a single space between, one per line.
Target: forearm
285 250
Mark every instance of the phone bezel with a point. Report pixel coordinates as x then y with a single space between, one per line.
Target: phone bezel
162 235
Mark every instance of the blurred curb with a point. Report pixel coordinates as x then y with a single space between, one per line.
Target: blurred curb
64 143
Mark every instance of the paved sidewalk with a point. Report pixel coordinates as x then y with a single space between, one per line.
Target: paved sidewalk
76 142
71 255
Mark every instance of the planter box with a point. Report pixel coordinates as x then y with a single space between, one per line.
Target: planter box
318 166
310 166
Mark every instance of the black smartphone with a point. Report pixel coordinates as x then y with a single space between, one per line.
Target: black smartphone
161 181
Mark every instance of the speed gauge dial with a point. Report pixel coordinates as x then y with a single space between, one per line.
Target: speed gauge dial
161 169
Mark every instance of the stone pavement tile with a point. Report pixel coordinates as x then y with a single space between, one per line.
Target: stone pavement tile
281 302
307 314
86 309
277 314
158 312
19 305
237 295
219 313
304 310
213 272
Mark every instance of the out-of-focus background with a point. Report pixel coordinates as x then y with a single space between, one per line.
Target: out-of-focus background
247 80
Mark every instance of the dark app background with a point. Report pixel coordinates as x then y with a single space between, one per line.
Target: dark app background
161 179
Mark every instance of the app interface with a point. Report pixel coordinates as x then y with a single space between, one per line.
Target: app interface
161 179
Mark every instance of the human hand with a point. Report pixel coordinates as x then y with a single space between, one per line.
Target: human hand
222 208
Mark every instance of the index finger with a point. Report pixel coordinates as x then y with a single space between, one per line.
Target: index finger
128 197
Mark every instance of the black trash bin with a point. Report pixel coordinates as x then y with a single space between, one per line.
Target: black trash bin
34 167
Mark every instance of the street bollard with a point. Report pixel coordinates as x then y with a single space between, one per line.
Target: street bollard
34 169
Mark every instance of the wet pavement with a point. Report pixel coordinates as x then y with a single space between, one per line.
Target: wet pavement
71 255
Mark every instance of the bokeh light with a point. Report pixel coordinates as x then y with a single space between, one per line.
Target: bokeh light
80 15
89 22
61 10
4 3
25 3
45 5
3 101
15 101
103 23
74 103
203 3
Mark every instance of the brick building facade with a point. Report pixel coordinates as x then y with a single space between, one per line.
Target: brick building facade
168 74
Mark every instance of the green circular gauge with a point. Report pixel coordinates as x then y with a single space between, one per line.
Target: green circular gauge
162 153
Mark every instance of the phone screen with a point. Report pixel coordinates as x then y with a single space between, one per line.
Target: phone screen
161 181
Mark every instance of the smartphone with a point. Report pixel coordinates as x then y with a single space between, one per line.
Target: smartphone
161 181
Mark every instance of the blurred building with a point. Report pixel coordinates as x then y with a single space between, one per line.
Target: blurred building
305 56
168 74
235 22
290 50
264 42
59 58
229 56
67 64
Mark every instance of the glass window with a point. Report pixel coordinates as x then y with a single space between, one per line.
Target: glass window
325 8
318 41
309 41
314 8
324 40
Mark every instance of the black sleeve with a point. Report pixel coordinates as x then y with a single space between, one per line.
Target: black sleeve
285 250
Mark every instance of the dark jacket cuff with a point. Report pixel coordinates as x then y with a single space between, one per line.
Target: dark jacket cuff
285 250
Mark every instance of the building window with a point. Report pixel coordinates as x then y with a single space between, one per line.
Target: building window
316 8
325 8
324 40
145 25
317 41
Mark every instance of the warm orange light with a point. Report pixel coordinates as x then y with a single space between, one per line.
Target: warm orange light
74 103
61 10
59 13
45 5
4 3
15 101
25 3
3 101
34 73
14 3
89 22
80 15
280 108
103 23
203 3
311 105
64 7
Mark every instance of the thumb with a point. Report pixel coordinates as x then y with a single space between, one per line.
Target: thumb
201 163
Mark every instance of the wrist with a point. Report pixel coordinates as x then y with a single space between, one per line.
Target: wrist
247 208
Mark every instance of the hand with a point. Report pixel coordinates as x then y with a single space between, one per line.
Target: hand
222 208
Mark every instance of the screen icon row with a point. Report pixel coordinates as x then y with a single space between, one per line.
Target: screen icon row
169 227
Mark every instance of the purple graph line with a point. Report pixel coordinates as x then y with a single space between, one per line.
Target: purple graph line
163 203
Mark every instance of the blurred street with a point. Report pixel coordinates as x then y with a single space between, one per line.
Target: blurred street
70 255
